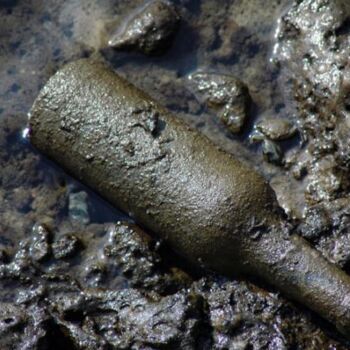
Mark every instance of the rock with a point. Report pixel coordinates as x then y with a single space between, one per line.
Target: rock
276 129
326 180
150 29
272 152
67 246
40 247
315 222
226 95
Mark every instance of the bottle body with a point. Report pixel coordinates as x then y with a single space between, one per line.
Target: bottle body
170 178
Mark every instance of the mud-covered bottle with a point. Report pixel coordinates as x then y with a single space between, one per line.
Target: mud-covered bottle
212 210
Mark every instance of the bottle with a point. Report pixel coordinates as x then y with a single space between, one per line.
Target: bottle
212 209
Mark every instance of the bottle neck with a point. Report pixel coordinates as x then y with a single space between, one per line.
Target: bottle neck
289 263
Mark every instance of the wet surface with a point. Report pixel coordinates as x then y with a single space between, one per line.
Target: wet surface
67 274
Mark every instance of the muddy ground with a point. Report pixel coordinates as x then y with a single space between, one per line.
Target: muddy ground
76 273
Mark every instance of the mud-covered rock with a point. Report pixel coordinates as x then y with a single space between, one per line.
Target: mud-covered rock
139 261
226 95
246 317
276 129
150 29
39 247
312 50
127 320
327 180
122 318
272 152
268 132
316 222
67 246
313 36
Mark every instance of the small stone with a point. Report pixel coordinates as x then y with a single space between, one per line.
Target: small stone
276 129
272 152
226 95
316 222
67 246
40 249
150 29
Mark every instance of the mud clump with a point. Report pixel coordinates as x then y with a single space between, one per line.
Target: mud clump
312 51
51 303
138 259
268 131
39 247
276 129
58 292
226 95
67 246
149 30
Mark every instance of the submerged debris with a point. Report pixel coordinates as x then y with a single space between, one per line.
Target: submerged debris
149 30
272 152
225 94
78 207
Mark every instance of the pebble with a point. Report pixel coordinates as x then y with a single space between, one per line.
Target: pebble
39 249
272 152
276 129
66 247
150 30
226 95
